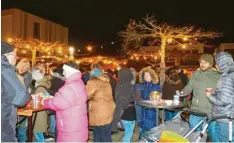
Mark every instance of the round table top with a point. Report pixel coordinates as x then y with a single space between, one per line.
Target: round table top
151 104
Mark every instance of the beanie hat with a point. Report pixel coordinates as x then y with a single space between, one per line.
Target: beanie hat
6 48
208 58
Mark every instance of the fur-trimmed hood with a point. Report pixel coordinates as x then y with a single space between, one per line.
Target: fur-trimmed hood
154 75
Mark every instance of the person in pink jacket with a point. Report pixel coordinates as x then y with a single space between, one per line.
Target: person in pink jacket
70 104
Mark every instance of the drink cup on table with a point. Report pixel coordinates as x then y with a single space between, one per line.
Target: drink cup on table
36 100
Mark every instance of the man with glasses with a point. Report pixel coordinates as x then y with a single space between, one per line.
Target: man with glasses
13 93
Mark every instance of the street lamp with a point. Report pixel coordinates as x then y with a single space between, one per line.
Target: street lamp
89 48
71 51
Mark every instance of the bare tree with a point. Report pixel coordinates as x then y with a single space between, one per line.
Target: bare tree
33 45
149 30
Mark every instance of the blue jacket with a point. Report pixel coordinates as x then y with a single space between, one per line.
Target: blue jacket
148 116
13 95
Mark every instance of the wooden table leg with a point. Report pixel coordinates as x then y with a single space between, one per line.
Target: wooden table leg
30 129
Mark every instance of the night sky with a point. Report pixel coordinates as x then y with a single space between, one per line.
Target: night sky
98 21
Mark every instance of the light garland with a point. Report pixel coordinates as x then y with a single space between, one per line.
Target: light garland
44 48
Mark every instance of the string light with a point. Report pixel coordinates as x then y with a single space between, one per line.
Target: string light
184 46
9 40
169 40
185 38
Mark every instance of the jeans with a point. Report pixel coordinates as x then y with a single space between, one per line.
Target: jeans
222 132
102 133
22 130
194 120
129 128
138 113
39 137
52 124
170 115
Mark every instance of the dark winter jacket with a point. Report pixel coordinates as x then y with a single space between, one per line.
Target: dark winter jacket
13 95
148 116
124 94
113 82
183 77
56 84
27 79
223 98
170 86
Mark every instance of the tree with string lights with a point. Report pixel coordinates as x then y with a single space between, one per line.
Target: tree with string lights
32 45
149 30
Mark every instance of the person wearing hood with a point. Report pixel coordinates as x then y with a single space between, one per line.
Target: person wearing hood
101 104
223 98
171 84
24 74
13 93
205 77
149 82
125 101
42 85
70 104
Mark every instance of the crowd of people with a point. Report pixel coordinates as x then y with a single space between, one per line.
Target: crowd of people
103 100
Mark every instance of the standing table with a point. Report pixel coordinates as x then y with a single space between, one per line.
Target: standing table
28 112
159 105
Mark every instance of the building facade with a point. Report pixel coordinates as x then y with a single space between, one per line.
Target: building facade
19 24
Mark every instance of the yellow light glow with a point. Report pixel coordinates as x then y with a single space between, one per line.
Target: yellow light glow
137 58
155 58
169 40
89 48
185 38
71 50
24 52
9 40
132 57
27 46
184 46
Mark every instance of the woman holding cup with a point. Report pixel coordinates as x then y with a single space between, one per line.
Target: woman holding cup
70 104
223 96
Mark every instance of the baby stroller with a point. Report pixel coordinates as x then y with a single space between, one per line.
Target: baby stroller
179 125
231 119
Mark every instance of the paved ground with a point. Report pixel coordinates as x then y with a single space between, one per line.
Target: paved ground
117 137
